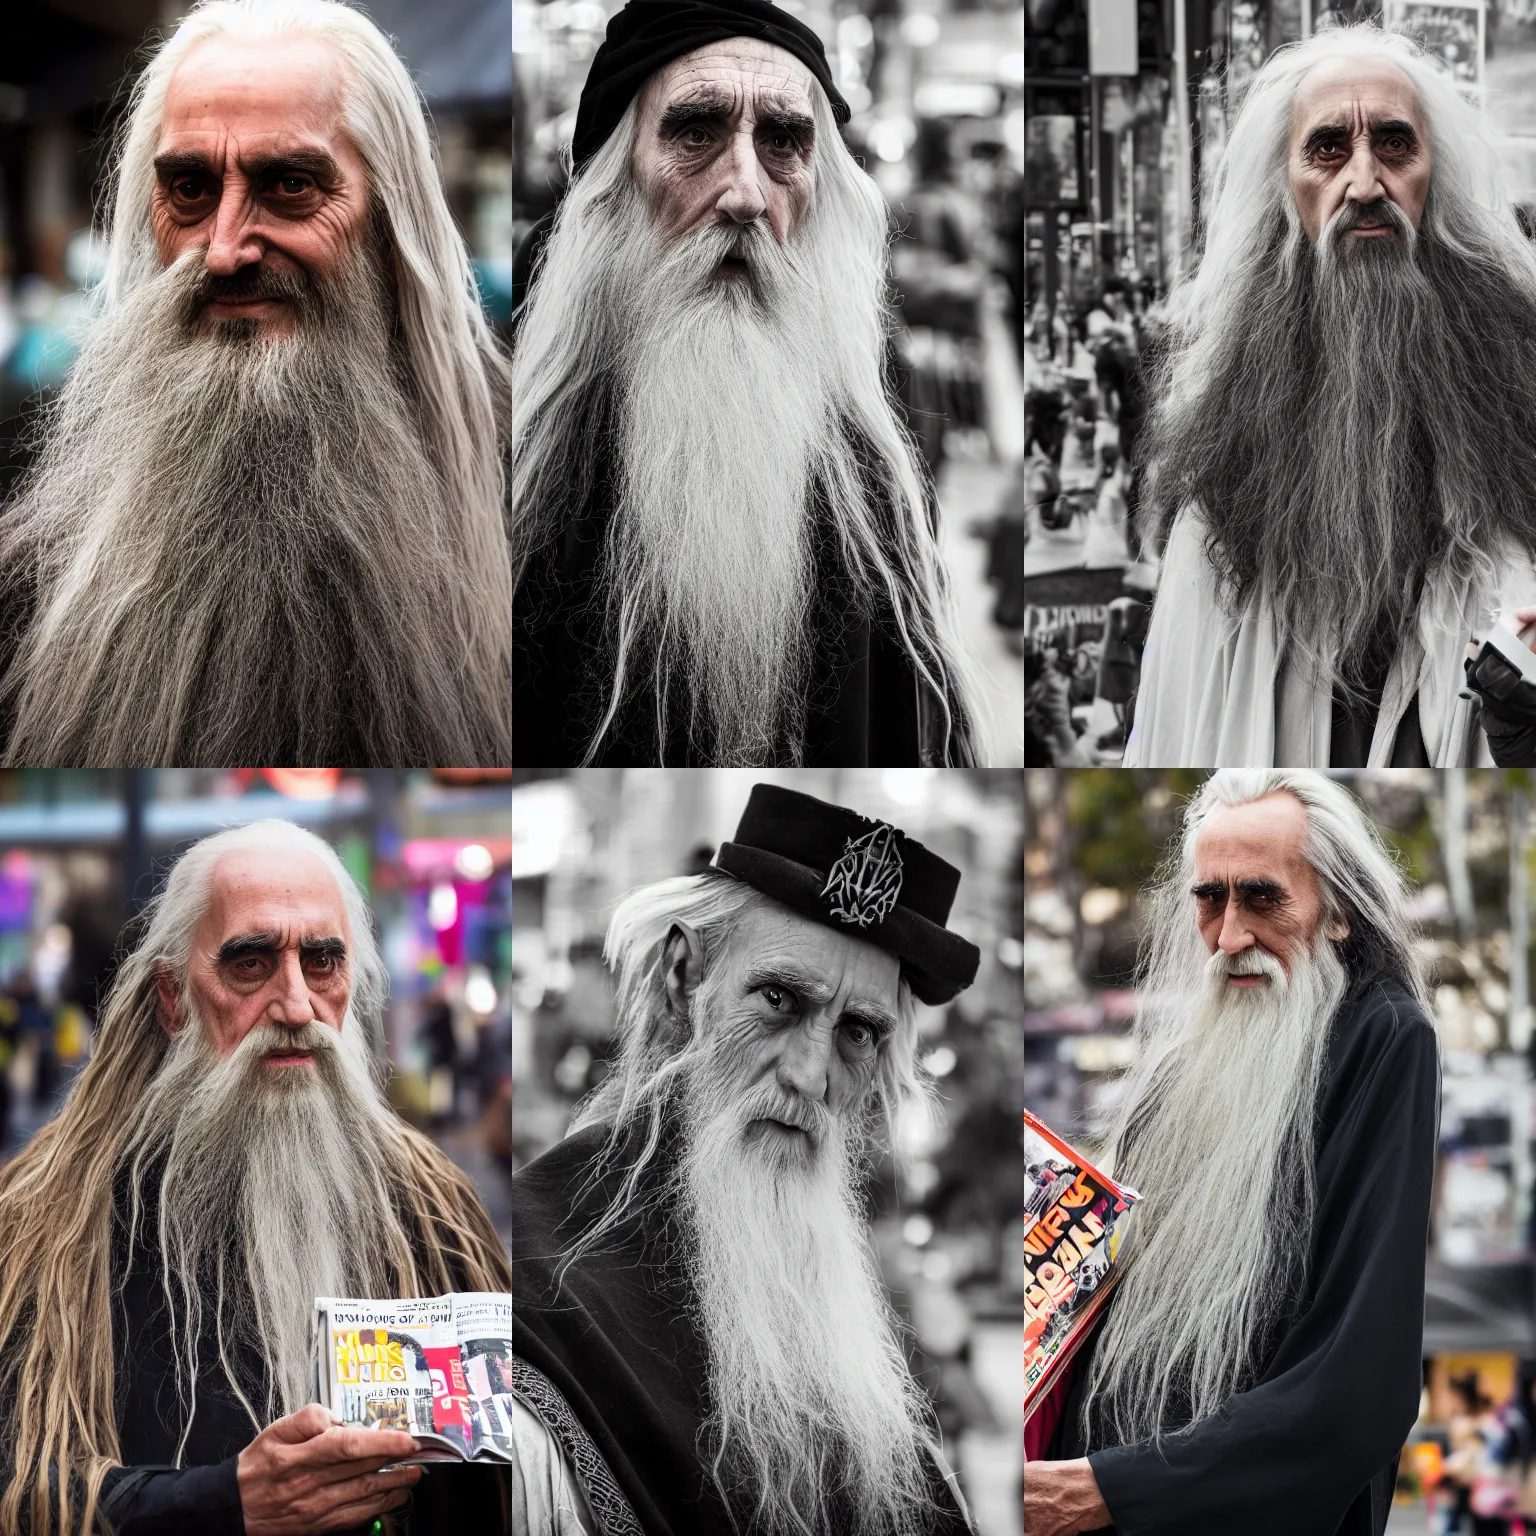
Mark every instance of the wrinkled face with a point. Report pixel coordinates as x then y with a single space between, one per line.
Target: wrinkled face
1358 136
272 948
805 1012
725 135
255 168
1254 887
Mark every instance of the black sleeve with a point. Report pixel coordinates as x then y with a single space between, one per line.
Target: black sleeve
1336 1405
170 1501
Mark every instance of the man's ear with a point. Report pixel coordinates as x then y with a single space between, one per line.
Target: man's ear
169 995
1337 929
682 960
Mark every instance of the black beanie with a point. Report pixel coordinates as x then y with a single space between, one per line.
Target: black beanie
647 35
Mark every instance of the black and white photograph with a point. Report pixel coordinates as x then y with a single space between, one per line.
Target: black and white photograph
767 383
1278 379
766 1198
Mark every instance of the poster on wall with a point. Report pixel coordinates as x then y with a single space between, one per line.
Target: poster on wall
1452 31
1051 170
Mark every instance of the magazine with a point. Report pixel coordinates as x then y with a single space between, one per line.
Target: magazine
439 1368
1075 1224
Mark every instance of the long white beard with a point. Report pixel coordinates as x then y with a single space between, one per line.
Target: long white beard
816 1427
1215 1130
241 550
273 1191
723 415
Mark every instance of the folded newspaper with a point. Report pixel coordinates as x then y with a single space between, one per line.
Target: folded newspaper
439 1368
1075 1224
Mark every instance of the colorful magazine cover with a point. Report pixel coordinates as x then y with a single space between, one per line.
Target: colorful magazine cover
1076 1220
437 1368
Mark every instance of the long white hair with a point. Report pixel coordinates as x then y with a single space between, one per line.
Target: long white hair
459 376
569 353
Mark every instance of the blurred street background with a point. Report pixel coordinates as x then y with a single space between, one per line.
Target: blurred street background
948 1224
936 89
81 851
1128 107
65 72
1095 837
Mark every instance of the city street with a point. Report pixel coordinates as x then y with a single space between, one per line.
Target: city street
970 491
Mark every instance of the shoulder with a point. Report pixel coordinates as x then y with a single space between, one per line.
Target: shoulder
1384 1044
1386 1015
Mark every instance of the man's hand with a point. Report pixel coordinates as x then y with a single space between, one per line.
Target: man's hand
1061 1499
305 1474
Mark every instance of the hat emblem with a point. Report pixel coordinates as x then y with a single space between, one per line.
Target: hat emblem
862 886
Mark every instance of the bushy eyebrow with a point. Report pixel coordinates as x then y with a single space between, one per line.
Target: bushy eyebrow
1216 890
1331 133
309 162
711 106
267 943
793 978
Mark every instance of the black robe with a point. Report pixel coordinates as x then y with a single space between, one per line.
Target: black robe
861 703
617 1341
1312 1448
149 1496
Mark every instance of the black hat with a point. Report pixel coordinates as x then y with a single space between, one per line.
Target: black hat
646 35
858 876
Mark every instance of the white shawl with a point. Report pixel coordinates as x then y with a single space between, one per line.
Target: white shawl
1213 693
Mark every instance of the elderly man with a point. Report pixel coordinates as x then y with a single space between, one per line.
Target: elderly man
227 1156
267 523
1258 1369
723 545
1344 438
702 1341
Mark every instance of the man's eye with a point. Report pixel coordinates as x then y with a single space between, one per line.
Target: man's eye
778 998
860 1035
694 138
322 963
294 186
188 189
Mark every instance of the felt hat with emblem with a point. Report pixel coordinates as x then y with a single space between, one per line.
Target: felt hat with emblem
862 877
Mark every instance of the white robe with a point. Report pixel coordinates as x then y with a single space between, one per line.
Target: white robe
1213 694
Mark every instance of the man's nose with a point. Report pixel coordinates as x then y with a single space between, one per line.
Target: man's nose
1363 173
233 242
802 1069
1234 936
291 1005
742 199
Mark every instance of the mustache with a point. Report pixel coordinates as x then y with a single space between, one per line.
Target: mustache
816 1120
1247 962
1359 215
278 1039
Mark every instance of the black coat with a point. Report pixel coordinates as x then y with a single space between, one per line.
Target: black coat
1312 1448
617 1340
862 703
149 1496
